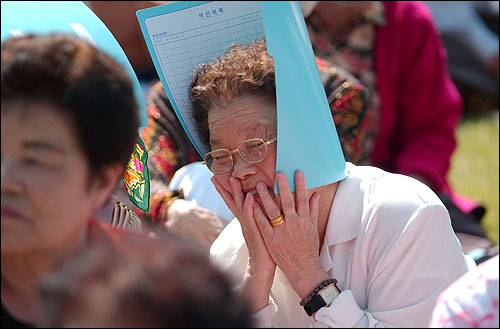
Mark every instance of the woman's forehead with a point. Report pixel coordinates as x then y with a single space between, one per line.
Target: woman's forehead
249 109
228 135
38 123
237 115
241 117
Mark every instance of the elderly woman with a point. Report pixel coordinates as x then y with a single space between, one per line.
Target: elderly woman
69 123
374 249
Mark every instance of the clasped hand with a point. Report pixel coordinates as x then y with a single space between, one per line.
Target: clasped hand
294 245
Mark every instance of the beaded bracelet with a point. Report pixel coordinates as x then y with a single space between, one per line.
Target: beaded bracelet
160 202
166 207
316 290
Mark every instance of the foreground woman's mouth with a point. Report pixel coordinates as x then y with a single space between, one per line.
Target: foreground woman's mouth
9 213
255 194
251 191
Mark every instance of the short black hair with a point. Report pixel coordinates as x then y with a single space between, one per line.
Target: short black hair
151 282
88 86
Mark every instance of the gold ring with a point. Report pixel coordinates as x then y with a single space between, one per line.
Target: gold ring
277 221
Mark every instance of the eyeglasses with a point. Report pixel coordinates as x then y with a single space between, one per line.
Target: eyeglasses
252 150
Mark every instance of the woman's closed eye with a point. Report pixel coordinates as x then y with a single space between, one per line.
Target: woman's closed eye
43 155
221 158
218 155
45 160
254 147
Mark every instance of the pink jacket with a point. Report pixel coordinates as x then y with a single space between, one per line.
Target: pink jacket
419 102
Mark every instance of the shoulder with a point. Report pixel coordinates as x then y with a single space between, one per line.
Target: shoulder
103 235
194 168
402 222
383 188
391 203
187 176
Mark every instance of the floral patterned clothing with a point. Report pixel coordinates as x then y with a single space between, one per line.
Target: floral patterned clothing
403 63
169 148
136 176
168 145
353 51
349 103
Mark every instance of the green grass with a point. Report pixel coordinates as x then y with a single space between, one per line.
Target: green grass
474 166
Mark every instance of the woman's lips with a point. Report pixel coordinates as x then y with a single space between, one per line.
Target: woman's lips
252 191
8 213
255 194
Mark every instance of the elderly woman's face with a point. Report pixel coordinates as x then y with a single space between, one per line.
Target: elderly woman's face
45 192
241 119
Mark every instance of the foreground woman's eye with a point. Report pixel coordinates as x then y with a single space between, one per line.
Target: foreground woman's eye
47 162
31 161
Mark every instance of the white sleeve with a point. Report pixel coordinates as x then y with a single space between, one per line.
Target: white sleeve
264 317
230 254
408 268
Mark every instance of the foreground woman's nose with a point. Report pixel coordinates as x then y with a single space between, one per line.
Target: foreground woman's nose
242 169
10 182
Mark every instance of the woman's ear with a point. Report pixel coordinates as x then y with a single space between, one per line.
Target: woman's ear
105 183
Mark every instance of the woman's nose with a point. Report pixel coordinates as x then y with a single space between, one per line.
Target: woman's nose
243 169
10 182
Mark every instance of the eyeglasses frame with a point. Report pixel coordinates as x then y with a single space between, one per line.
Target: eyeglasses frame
266 143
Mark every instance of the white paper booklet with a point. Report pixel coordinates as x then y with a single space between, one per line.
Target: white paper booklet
185 34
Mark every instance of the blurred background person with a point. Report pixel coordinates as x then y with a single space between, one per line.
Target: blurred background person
192 180
471 44
144 283
120 18
395 51
69 123
189 208
169 148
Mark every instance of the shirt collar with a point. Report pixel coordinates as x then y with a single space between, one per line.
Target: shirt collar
347 208
345 215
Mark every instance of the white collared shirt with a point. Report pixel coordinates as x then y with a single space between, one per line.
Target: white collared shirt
388 242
